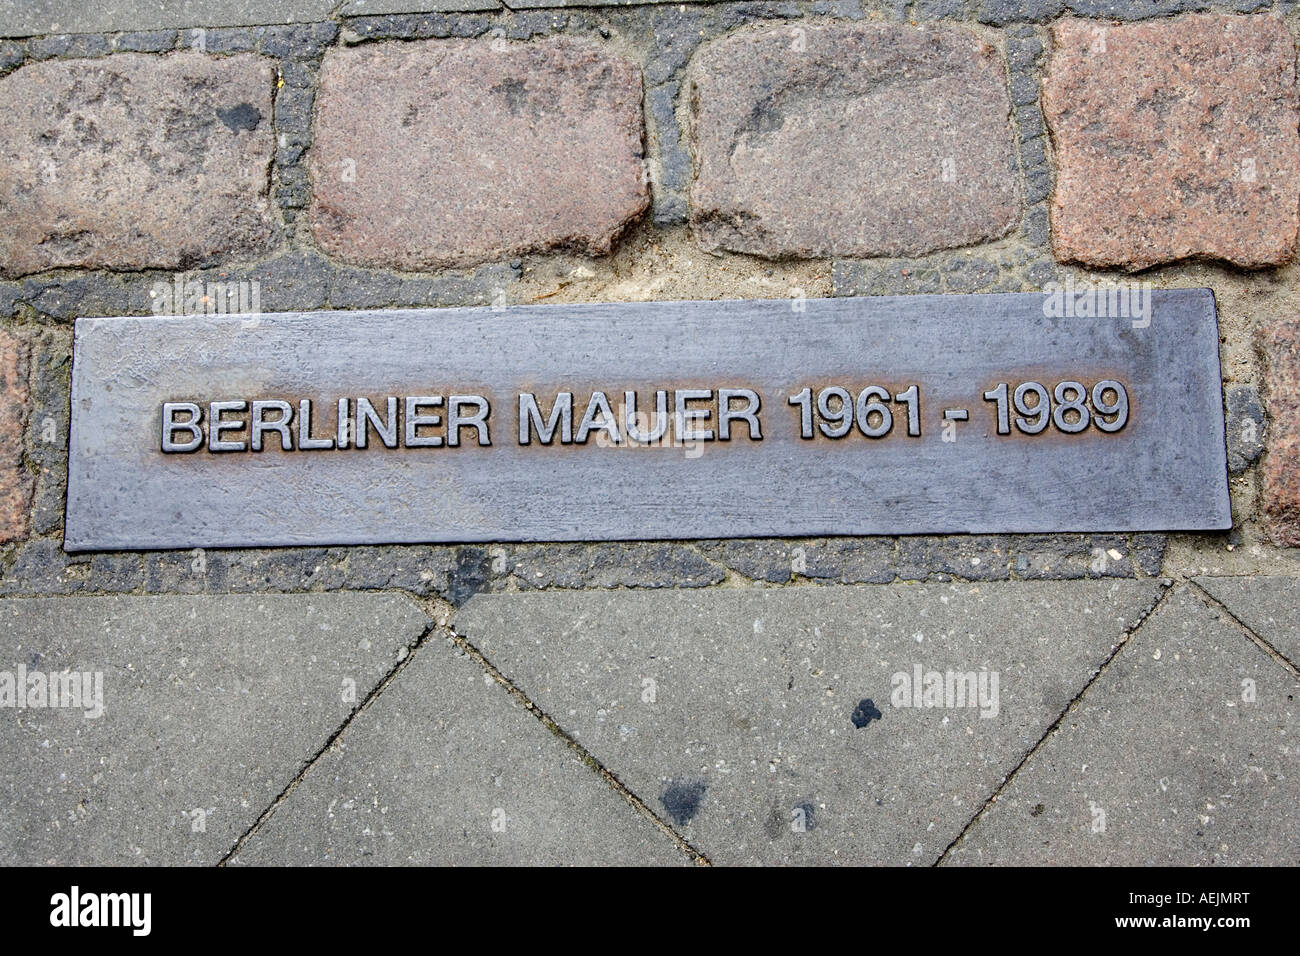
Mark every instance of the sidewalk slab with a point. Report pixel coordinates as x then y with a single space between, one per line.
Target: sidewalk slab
210 704
1269 606
446 768
1163 762
759 722
25 18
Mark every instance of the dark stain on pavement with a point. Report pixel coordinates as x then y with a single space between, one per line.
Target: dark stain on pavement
682 798
865 713
245 116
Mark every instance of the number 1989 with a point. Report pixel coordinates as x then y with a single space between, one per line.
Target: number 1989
1033 408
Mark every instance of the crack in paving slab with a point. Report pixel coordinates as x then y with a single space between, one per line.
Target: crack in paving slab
1267 608
443 767
736 708
1182 752
209 703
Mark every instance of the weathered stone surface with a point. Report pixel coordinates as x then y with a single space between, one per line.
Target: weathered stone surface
766 723
458 152
1175 139
15 481
145 41
1269 606
1280 342
134 161
70 45
846 139
1245 426
446 768
210 704
22 18
47 432
360 8
1182 753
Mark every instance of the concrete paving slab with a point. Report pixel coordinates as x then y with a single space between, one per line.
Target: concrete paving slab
774 725
210 706
1269 606
446 768
1184 752
25 18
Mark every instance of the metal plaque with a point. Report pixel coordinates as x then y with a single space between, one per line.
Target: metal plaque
1031 412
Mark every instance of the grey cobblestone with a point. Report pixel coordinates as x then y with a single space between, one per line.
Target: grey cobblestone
149 41
1001 12
406 27
117 572
835 560
351 8
842 9
224 40
673 155
1245 426
304 42
973 558
457 573
355 288
12 53
47 447
941 9
185 572
675 34
1134 9
39 566
65 296
654 564
1036 228
292 190
1029 121
293 105
67 45
1149 553
1061 557
295 280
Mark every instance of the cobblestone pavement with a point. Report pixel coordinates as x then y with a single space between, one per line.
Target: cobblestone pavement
923 700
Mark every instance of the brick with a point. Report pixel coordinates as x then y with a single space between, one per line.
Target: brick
1280 342
1177 141
135 161
15 481
845 139
459 152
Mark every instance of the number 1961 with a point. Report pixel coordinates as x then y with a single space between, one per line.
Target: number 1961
838 411
1066 407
